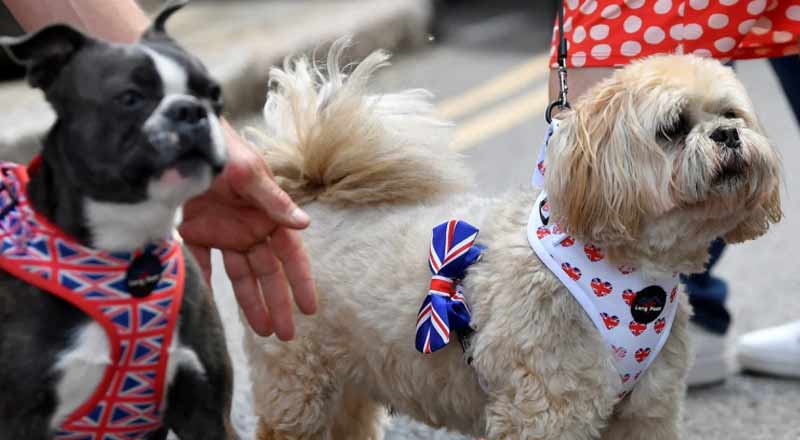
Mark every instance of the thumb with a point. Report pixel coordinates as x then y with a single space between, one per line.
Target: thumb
261 190
249 177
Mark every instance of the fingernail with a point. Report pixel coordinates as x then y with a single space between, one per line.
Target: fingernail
300 216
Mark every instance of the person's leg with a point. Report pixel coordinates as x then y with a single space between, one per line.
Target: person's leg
787 69
707 294
710 322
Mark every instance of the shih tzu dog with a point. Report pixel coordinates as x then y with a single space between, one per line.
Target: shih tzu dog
575 328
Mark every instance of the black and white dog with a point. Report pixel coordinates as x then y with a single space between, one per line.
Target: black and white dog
137 134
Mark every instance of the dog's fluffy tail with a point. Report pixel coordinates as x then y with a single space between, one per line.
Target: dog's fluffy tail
327 139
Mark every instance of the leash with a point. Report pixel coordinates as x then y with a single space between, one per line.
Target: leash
562 101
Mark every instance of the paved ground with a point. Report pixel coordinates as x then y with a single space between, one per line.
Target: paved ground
486 75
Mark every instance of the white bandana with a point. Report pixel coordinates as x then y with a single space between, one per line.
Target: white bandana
634 315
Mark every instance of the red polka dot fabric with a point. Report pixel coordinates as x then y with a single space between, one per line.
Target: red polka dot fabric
614 32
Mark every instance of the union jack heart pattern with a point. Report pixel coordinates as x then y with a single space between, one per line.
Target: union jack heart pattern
593 253
600 287
641 354
626 270
572 272
637 328
541 167
542 232
628 296
619 352
610 321
659 325
605 290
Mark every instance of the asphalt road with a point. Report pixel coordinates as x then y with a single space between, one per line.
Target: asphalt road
485 67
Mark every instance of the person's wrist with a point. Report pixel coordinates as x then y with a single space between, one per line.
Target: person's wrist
119 21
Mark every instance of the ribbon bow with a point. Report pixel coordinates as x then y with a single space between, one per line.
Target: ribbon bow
444 309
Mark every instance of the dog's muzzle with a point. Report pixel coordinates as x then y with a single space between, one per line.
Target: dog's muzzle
188 117
182 134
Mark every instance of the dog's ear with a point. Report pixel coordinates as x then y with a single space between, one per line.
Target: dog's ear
600 167
157 30
767 208
757 223
45 52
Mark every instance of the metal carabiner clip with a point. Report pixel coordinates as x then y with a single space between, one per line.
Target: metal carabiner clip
563 48
562 101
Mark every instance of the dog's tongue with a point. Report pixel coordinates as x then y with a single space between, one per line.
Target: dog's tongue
171 175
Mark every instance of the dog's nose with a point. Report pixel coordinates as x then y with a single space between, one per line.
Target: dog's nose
728 137
186 111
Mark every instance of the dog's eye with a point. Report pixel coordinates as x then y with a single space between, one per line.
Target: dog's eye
678 129
130 98
730 114
215 94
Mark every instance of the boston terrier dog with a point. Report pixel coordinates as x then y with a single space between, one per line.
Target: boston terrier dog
107 329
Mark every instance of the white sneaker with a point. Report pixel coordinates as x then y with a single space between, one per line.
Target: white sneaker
712 360
774 350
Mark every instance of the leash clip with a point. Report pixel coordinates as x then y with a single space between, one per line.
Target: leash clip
562 101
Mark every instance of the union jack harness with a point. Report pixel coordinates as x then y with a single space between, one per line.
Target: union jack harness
129 401
444 309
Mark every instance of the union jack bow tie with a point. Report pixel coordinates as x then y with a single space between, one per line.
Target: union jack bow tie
444 309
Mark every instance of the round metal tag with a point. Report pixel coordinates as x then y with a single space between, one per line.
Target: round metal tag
143 275
648 304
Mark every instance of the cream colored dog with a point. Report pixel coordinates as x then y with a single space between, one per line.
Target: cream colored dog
633 169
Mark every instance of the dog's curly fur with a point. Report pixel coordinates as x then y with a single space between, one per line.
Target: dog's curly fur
374 175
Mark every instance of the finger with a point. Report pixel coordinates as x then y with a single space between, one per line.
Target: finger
287 245
250 177
225 227
265 193
203 256
275 289
247 292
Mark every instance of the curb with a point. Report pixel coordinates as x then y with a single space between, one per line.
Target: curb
386 24
212 30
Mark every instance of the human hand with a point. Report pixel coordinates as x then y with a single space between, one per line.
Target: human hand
247 216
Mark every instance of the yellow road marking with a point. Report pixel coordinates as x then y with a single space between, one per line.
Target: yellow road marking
510 81
502 118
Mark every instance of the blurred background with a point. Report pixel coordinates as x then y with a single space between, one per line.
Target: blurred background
486 62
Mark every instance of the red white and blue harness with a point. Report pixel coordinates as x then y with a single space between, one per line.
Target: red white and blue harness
128 403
